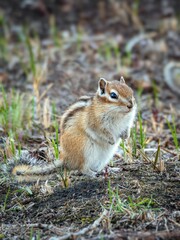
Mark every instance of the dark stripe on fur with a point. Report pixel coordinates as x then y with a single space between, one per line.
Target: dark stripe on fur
71 114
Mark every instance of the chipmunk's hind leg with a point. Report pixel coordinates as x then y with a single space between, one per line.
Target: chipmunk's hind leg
72 150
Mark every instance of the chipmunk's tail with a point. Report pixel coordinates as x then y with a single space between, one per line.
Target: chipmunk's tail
29 169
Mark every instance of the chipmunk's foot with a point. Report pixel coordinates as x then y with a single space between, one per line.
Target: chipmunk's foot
89 172
125 135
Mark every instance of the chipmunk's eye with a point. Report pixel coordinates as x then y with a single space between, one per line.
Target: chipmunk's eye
113 95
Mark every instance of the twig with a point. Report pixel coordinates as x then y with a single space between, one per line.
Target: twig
144 156
58 230
44 93
84 230
168 151
157 156
176 223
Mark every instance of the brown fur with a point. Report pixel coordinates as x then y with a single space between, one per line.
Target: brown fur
70 114
122 89
72 150
23 169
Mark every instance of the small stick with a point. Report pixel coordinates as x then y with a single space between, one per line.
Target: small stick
144 156
84 230
157 155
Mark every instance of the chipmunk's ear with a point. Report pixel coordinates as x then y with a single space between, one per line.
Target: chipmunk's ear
102 86
122 80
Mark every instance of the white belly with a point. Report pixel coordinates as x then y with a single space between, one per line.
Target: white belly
97 157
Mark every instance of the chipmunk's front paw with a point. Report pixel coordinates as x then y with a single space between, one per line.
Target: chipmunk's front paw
125 135
111 141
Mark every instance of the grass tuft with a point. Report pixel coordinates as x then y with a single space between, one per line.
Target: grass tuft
54 32
31 54
134 207
142 135
4 37
172 127
15 112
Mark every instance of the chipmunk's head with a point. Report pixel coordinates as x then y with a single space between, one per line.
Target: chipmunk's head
116 94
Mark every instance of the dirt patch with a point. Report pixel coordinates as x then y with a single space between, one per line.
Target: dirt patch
80 204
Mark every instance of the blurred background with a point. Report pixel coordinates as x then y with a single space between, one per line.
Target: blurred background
59 49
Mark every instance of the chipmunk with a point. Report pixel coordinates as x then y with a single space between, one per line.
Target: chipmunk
91 130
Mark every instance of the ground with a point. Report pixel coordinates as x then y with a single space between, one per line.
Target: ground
45 66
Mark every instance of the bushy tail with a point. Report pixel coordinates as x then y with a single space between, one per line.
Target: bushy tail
26 168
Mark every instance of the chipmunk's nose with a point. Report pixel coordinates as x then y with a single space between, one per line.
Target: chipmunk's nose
130 104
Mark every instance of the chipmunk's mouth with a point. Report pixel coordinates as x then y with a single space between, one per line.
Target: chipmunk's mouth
129 110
